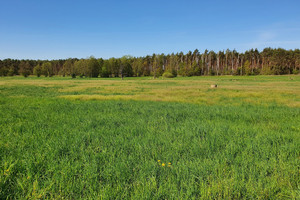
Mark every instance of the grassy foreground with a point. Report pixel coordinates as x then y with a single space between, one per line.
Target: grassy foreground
150 139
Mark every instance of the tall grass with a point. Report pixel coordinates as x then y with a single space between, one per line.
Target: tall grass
54 148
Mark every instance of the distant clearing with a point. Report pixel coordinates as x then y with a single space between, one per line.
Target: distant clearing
261 90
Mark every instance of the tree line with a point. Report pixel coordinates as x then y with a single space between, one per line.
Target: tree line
230 62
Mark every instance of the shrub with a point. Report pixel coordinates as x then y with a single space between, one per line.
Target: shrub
37 70
168 75
295 71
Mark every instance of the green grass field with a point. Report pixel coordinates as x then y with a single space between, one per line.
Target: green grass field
63 138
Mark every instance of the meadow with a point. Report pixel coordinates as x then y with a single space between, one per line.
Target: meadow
140 138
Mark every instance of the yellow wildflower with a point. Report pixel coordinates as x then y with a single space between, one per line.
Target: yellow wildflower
163 164
169 163
158 161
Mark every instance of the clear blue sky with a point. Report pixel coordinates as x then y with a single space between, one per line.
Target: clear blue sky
53 29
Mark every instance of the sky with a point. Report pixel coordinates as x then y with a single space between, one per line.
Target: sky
60 29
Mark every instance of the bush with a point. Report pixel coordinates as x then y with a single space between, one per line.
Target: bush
295 71
266 71
168 75
37 70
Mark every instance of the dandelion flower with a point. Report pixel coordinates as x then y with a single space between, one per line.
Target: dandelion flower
163 164
158 161
169 163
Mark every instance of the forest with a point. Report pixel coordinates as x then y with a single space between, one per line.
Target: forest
230 62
